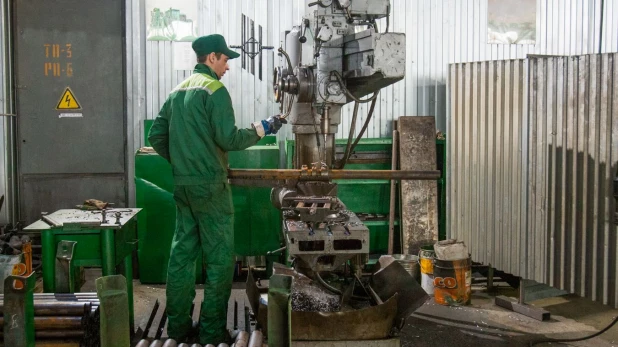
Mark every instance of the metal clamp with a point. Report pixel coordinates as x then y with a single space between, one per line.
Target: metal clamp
64 275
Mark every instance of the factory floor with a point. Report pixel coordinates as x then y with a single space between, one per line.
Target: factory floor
479 324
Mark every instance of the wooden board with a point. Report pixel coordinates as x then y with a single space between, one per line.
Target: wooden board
419 199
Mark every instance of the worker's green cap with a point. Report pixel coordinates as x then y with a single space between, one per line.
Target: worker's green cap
212 43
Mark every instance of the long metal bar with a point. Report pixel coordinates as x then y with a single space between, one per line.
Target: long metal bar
56 308
295 174
11 178
54 323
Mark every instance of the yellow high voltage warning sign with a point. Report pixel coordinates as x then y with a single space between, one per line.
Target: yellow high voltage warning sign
67 101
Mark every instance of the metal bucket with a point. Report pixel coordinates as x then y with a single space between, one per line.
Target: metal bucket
426 256
452 282
410 263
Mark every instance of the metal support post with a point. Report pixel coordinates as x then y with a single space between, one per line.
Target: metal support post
520 305
280 311
49 261
128 273
490 278
108 252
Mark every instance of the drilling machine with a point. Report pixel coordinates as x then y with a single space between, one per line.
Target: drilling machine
336 56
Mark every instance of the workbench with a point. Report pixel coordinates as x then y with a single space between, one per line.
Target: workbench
103 239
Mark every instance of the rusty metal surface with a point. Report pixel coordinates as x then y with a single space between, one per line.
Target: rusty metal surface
395 279
374 322
309 174
419 200
54 322
58 308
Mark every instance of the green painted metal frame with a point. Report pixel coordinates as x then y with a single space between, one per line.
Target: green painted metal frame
105 248
19 311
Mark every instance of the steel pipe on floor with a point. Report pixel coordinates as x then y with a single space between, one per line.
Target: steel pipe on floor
295 174
59 308
53 323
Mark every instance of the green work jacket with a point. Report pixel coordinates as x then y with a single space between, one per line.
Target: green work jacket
196 128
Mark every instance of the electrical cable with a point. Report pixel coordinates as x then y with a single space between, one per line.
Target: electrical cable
532 343
347 92
326 285
366 125
350 149
346 154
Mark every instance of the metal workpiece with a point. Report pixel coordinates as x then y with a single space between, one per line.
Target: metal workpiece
58 308
257 338
156 343
323 246
65 276
170 343
143 343
242 339
309 174
54 322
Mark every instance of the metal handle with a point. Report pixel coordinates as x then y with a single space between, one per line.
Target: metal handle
276 251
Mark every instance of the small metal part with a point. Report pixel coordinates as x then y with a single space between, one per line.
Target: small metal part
118 215
256 339
170 343
104 216
64 275
276 250
527 310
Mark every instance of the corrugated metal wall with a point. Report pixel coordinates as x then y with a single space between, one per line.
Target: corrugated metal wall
487 172
533 151
573 154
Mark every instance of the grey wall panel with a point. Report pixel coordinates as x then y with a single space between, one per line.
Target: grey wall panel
88 58
533 150
47 193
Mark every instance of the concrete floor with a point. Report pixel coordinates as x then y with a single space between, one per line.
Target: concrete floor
480 324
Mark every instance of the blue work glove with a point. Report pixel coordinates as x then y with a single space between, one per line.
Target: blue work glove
269 126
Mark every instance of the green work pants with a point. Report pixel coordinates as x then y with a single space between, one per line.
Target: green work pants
204 222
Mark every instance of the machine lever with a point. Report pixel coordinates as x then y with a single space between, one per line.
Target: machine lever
276 250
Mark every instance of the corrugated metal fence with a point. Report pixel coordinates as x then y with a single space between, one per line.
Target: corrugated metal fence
533 152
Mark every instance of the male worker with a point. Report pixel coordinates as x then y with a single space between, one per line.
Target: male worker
194 131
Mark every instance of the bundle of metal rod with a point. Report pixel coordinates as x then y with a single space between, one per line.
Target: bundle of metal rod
309 174
70 319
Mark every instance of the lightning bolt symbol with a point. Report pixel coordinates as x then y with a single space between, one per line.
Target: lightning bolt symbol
68 100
